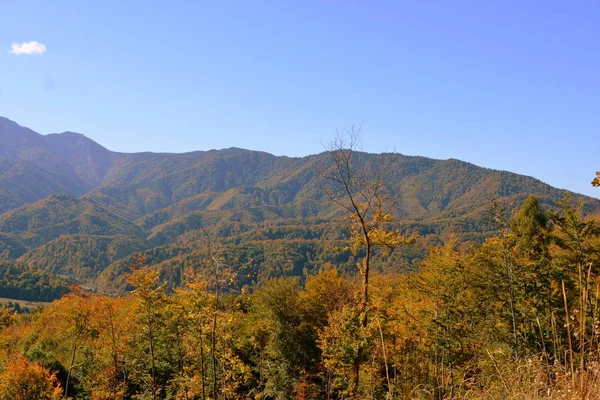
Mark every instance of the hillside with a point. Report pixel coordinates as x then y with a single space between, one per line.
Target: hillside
74 208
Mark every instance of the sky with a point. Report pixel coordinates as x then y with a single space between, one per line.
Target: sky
509 85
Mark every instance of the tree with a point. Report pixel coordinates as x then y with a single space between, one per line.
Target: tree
457 315
151 300
23 380
514 273
344 343
289 347
359 188
7 316
576 253
596 181
197 302
108 375
531 230
78 317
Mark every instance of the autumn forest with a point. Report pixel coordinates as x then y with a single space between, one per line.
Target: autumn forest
379 309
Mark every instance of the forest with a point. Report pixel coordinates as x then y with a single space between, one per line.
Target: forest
516 316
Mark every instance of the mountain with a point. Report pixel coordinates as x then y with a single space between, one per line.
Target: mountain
19 143
33 166
74 208
87 159
61 214
22 182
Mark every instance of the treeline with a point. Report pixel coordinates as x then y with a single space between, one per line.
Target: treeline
31 284
515 317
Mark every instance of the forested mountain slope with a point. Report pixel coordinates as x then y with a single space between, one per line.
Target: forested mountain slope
72 207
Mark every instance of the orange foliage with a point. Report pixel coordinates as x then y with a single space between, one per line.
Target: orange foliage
23 380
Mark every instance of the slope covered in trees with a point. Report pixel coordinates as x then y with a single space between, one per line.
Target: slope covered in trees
23 283
513 317
72 207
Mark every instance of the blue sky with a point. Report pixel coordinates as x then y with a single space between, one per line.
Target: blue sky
511 85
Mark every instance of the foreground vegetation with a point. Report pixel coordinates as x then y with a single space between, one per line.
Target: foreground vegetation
515 317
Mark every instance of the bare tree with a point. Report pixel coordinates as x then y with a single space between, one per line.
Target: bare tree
359 188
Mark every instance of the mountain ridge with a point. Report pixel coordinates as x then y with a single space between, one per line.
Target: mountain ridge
121 159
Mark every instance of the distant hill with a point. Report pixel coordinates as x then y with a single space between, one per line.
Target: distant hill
32 284
74 208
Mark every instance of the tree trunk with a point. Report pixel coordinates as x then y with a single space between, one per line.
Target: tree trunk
70 367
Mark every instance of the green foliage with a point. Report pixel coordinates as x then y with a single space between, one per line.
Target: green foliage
23 283
82 257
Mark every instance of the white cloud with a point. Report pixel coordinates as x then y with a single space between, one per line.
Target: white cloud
28 48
